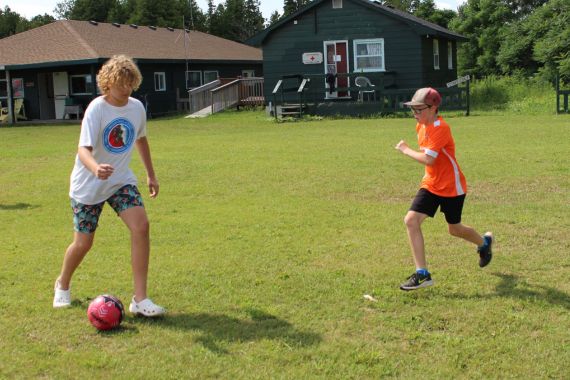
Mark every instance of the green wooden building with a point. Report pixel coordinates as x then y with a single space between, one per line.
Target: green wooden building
325 46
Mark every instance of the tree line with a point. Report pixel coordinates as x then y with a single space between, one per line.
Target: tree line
505 37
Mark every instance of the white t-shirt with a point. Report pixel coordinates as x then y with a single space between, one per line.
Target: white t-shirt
111 132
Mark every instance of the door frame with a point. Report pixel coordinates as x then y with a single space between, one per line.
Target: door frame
334 94
60 94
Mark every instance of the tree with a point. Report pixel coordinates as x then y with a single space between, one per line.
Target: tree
156 13
40 20
523 8
216 22
234 20
292 6
122 11
97 10
10 22
289 7
275 16
427 10
506 36
193 16
64 8
210 14
552 49
483 22
403 5
253 17
539 43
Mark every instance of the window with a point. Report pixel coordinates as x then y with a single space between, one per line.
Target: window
3 88
435 54
369 55
159 81
193 79
450 55
17 88
337 4
81 84
210 76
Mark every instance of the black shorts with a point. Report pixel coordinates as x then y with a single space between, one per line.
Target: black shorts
427 203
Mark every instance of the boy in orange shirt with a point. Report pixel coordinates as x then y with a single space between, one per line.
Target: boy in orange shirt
443 186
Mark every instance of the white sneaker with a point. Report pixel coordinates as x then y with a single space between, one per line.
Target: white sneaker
62 298
147 308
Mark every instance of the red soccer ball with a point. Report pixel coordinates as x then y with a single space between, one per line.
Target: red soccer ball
106 312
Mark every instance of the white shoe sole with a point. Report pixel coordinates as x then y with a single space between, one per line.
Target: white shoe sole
424 284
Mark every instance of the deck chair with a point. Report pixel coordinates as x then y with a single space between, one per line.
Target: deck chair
3 114
19 110
364 82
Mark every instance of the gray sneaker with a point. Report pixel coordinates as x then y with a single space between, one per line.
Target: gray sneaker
416 281
486 251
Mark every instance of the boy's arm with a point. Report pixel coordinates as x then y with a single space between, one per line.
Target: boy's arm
420 157
144 152
101 171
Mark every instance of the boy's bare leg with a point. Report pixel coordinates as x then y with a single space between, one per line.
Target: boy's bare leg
465 232
137 221
74 254
413 221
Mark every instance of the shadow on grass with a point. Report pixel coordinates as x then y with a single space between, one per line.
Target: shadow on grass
216 329
17 206
509 287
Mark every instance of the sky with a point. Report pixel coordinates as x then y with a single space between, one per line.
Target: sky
31 8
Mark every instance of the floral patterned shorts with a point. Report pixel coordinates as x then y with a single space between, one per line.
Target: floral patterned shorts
86 217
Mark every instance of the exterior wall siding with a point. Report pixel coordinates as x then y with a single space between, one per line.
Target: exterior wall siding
406 51
160 102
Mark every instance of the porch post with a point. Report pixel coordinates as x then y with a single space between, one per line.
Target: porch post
468 97
557 93
11 116
94 81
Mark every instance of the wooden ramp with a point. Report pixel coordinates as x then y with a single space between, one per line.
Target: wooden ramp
207 111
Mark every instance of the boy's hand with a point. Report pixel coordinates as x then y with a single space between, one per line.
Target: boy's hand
401 146
152 183
103 171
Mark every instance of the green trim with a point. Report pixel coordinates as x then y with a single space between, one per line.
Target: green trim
147 61
55 64
103 59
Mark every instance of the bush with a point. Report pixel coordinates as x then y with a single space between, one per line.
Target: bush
513 94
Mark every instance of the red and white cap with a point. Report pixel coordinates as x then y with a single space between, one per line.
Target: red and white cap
425 96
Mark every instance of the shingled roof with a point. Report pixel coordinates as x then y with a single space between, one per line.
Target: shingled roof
74 41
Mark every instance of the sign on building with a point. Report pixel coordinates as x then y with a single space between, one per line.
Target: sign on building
312 58
458 80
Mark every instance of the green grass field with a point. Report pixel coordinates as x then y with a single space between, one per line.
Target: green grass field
266 236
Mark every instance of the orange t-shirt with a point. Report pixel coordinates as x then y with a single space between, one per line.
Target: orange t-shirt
444 177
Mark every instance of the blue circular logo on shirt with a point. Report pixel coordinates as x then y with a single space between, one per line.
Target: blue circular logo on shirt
118 136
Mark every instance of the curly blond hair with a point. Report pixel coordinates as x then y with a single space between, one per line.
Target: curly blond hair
119 70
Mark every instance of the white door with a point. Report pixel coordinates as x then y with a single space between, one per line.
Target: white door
60 93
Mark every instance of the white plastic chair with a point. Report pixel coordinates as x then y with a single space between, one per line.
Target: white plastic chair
365 83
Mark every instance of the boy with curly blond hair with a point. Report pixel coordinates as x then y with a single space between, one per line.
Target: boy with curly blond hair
114 123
